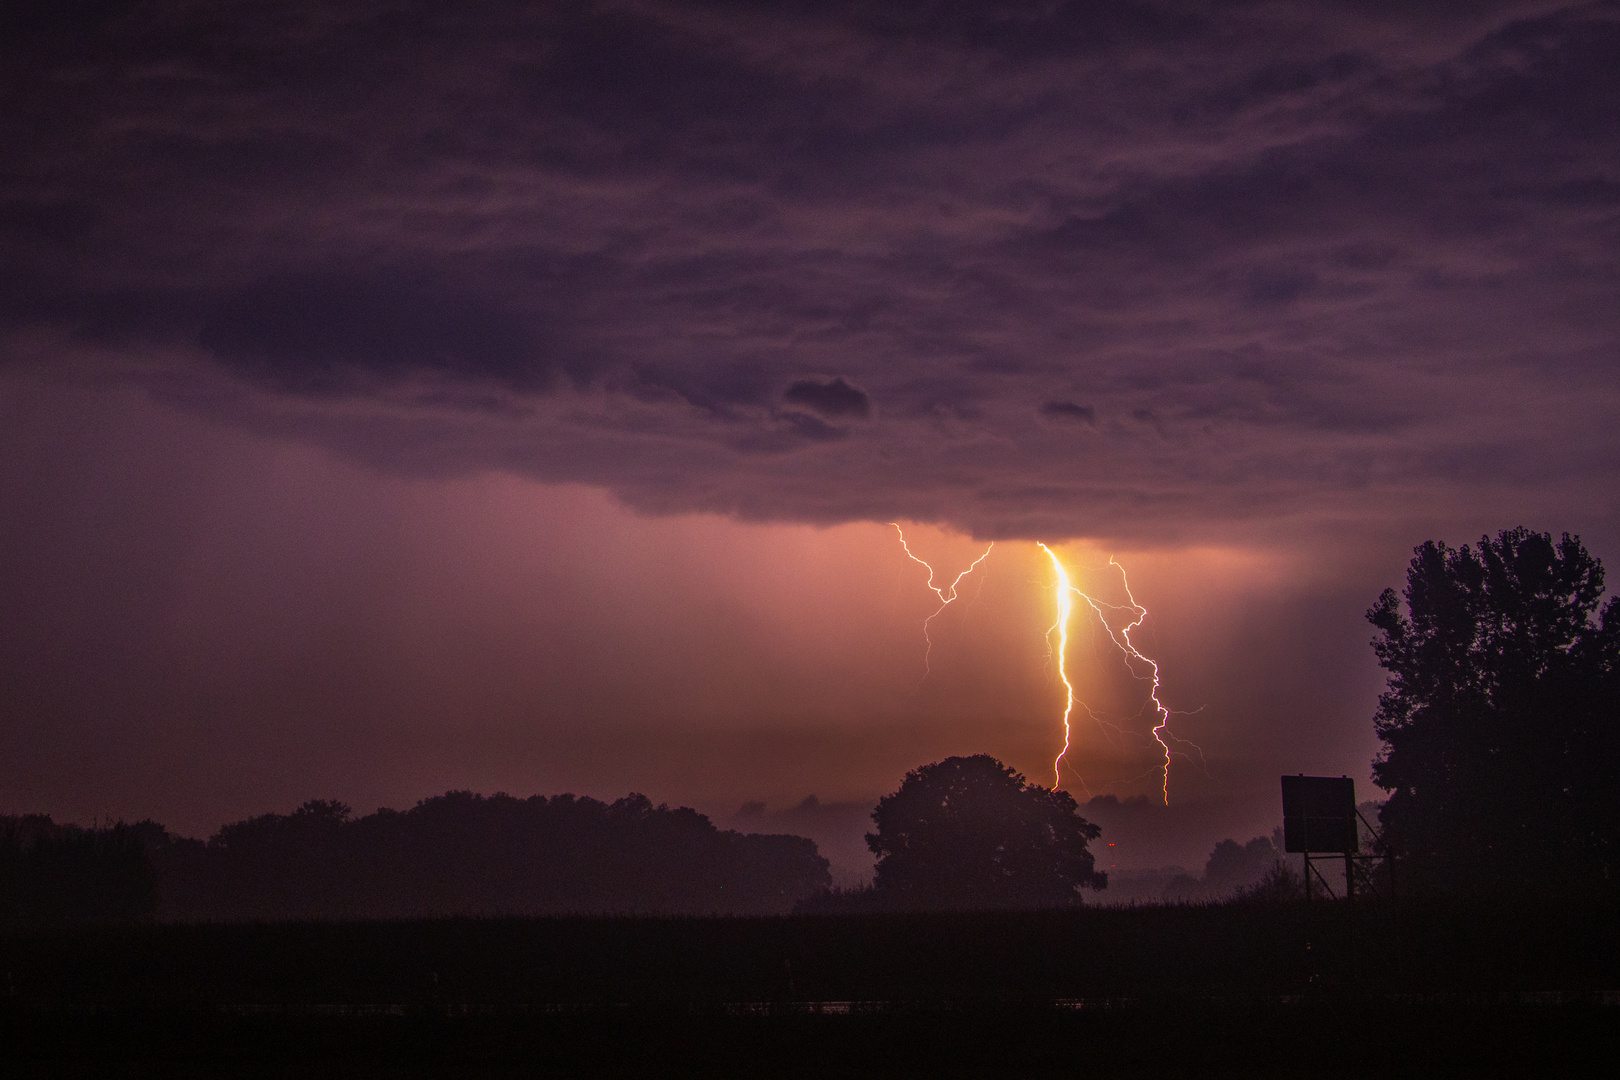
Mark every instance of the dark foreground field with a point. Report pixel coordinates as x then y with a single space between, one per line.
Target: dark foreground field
1433 989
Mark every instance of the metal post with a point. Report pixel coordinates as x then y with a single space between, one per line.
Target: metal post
1307 856
1349 876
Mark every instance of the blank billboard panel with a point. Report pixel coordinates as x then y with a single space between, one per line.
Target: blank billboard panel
1319 814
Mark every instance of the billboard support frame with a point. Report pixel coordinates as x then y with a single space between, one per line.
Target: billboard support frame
1322 809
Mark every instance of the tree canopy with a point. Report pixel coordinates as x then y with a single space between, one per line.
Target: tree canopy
52 873
455 854
969 832
1501 718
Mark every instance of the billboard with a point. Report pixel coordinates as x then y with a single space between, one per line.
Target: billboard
1319 814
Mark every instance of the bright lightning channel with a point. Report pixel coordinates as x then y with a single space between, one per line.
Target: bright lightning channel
1065 608
1121 638
946 594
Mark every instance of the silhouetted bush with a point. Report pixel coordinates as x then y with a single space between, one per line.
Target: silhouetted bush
1280 884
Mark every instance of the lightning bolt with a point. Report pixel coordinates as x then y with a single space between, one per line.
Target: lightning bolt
946 595
1133 657
1065 606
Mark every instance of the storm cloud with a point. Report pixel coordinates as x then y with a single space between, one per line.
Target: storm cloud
1299 262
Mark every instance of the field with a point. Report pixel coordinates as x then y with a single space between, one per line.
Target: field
1234 990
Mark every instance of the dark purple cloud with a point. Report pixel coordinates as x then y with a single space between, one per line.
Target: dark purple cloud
1067 412
1283 263
834 398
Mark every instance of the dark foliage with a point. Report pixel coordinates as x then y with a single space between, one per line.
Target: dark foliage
969 832
1233 866
464 854
1501 721
52 873
1280 884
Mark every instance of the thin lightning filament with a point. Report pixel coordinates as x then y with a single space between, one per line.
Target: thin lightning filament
1123 640
947 594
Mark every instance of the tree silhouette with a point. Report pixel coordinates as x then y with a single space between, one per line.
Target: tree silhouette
969 832
52 873
1502 711
465 854
1233 867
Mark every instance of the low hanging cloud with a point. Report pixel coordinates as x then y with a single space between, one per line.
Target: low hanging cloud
1290 265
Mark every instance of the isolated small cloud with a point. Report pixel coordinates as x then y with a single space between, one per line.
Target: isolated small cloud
1067 412
835 398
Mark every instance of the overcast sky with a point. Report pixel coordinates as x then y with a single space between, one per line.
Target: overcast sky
397 399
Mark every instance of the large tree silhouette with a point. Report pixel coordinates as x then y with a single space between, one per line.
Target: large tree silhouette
969 832
1502 711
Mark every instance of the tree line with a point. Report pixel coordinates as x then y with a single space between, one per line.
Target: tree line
51 872
455 854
